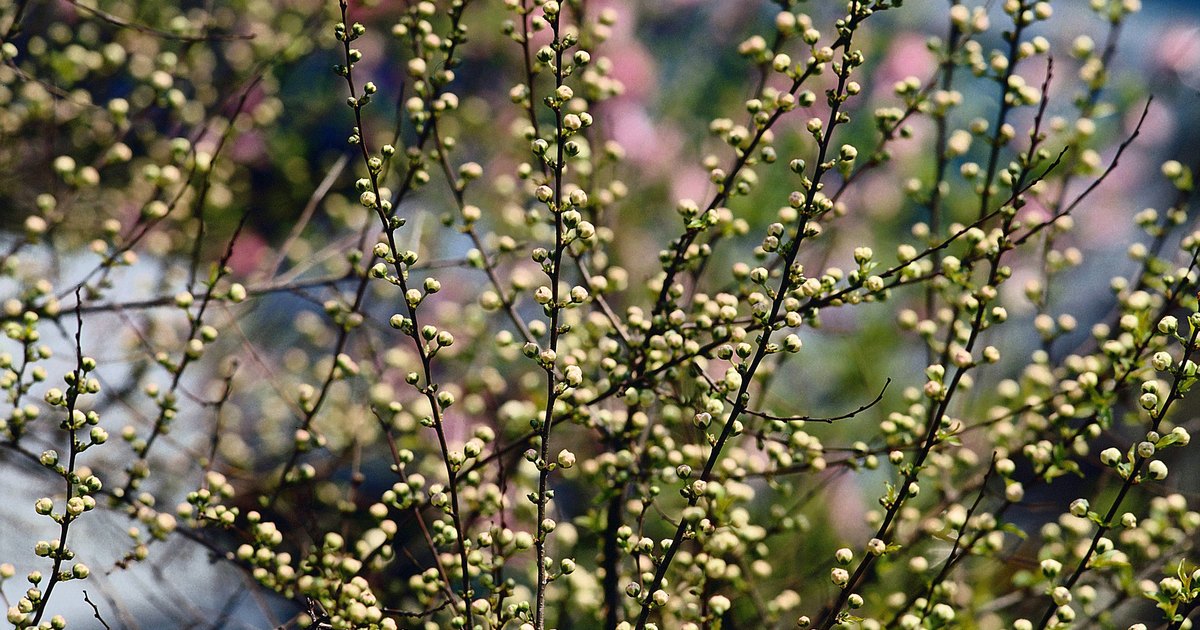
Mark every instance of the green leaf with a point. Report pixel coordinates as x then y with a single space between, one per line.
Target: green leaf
1108 559
1013 529
1166 440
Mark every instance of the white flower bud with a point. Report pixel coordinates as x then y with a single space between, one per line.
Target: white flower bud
573 375
1161 361
75 506
1051 567
237 293
1157 470
839 577
470 170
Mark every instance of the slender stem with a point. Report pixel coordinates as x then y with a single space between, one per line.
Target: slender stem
554 309
76 387
412 326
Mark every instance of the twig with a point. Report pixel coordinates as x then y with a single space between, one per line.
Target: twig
829 420
95 611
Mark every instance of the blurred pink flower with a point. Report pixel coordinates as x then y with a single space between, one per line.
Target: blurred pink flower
248 255
691 182
648 143
249 148
634 68
906 56
1178 49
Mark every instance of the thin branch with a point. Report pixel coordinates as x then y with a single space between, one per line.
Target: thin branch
306 214
829 420
95 610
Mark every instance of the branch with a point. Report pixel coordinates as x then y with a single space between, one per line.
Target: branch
830 420
95 611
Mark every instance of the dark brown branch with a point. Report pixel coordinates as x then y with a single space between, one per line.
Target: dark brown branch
829 420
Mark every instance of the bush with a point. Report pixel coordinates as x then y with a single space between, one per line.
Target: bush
419 341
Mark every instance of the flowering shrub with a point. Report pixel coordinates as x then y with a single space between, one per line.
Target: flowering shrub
579 314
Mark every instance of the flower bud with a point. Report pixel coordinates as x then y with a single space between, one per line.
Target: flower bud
839 577
1157 470
1161 361
1051 568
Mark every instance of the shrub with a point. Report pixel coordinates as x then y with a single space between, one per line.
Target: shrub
576 314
